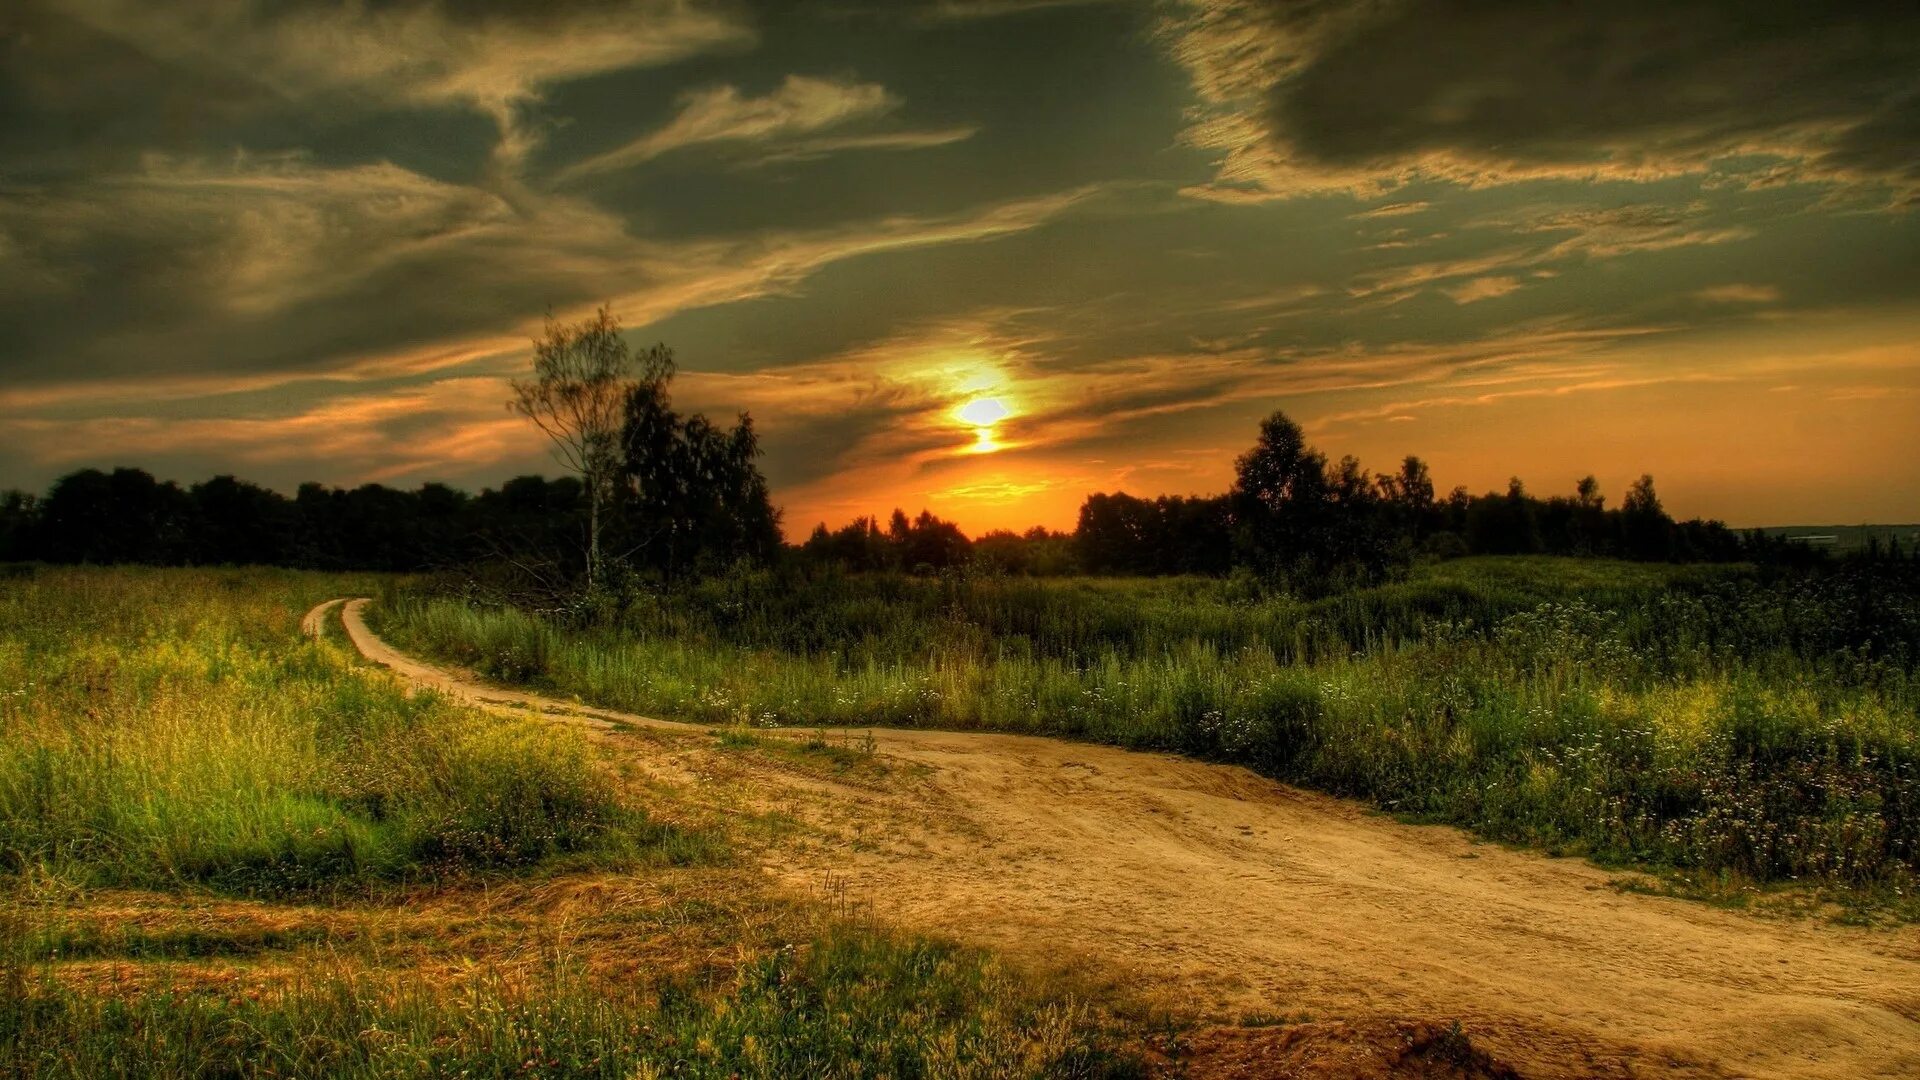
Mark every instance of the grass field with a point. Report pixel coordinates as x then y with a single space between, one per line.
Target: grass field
1736 727
229 851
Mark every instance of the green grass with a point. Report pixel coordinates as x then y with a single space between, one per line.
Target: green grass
165 726
228 851
850 1004
1709 718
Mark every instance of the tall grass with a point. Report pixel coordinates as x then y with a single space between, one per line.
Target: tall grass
161 727
1691 717
171 729
852 1004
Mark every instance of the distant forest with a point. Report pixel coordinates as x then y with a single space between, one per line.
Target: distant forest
1290 514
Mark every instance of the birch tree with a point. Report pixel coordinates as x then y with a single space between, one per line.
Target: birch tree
582 375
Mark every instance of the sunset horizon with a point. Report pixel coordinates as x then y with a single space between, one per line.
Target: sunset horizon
982 258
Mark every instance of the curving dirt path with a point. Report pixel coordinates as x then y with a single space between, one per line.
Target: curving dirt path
1237 895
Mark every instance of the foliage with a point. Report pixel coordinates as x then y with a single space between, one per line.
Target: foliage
691 495
690 499
1121 534
922 545
583 376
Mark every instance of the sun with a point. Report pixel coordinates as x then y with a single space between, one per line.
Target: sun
981 414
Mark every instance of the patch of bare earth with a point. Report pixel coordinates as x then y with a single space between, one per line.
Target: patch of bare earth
1219 894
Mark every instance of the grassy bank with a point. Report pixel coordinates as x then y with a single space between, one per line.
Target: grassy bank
1709 719
848 1004
162 727
228 851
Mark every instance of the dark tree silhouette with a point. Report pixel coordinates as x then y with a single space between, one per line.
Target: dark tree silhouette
124 516
691 494
1038 552
582 376
240 523
689 497
1646 530
1283 506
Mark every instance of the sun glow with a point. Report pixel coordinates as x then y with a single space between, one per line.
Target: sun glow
982 414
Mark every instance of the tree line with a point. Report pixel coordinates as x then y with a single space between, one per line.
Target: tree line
655 493
128 516
662 495
686 496
1293 514
1296 518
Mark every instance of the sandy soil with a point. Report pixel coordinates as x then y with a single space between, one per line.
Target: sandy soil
1240 897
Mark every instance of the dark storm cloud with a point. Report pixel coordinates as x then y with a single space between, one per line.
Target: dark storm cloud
1362 95
77 98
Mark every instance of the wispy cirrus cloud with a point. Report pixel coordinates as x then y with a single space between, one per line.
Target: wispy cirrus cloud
289 279
368 436
1398 209
279 266
800 105
822 146
1540 239
1739 293
493 59
1484 288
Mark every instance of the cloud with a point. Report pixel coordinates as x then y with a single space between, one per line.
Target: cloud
801 105
1399 209
273 263
360 438
173 313
1540 238
1737 293
1364 96
1484 288
276 265
809 149
967 10
493 58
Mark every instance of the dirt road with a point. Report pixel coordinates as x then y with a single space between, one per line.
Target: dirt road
1242 896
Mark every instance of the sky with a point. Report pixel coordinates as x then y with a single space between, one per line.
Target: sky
979 256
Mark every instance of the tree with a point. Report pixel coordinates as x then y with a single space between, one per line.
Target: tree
238 523
1408 496
1111 536
691 491
1590 519
1646 530
125 516
1281 502
1038 552
1587 495
19 519
931 543
582 377
1504 523
859 545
